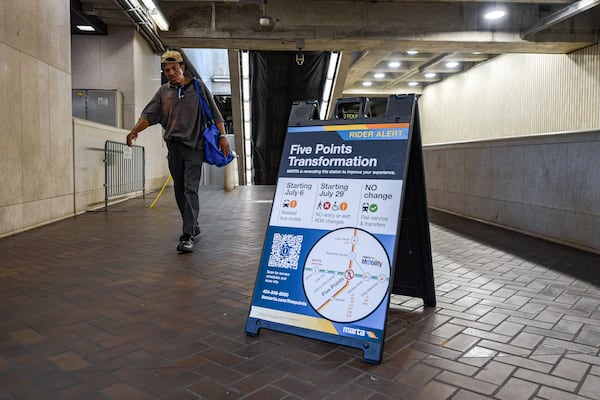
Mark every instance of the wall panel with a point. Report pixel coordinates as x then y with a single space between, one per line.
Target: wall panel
515 95
544 185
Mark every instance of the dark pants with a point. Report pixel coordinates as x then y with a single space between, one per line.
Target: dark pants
185 165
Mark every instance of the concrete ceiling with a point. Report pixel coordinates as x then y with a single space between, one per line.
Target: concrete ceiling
369 34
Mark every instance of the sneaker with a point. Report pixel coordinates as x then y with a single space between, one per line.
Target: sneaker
186 245
196 233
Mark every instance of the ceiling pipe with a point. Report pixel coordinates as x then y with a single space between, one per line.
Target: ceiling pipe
143 24
570 11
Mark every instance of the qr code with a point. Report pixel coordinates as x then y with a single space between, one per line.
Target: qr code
285 251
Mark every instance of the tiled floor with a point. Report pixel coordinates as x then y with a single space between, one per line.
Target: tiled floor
101 306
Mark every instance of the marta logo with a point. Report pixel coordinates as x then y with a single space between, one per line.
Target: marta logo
354 331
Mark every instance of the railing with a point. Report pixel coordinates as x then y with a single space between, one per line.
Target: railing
123 170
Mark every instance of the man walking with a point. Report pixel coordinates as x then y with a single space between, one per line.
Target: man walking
176 107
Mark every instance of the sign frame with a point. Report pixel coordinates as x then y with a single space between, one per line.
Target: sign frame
345 257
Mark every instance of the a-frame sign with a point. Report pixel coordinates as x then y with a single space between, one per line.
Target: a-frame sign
348 228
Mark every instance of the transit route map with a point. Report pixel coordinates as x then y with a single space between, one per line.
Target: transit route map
346 275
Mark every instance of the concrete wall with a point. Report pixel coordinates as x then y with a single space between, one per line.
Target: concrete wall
515 142
36 142
544 185
40 152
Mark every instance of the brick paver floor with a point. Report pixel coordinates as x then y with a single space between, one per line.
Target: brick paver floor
101 306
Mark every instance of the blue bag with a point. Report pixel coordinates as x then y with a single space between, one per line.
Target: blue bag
212 154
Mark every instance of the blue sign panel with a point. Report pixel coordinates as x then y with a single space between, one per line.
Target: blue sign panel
329 252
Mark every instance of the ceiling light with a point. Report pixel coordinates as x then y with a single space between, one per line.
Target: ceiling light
332 67
430 75
220 79
86 28
378 75
413 83
160 21
412 52
367 83
149 4
394 64
329 79
452 64
495 14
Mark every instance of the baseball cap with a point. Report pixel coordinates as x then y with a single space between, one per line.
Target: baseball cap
171 56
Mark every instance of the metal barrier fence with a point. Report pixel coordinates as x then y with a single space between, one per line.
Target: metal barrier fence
123 170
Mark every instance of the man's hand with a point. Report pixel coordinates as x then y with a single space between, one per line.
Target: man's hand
224 145
139 126
131 137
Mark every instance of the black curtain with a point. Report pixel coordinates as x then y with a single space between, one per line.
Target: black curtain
276 81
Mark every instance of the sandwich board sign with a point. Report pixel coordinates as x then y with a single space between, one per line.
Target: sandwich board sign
332 249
